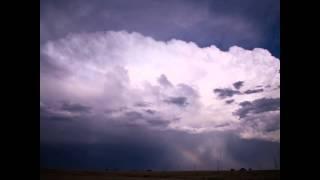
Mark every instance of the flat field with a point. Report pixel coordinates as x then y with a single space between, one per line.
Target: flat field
159 175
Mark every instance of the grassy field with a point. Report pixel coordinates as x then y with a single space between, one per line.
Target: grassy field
157 175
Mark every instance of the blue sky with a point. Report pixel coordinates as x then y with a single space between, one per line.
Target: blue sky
245 23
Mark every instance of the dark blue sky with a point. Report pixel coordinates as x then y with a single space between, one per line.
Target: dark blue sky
224 23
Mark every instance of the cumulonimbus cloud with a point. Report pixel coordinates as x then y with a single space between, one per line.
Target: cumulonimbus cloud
166 85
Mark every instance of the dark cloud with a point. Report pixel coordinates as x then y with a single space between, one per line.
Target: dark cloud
255 154
58 118
118 144
157 122
238 84
51 114
251 91
272 127
141 104
230 101
44 113
47 67
187 90
266 124
136 119
227 92
75 107
158 150
133 115
222 125
110 111
258 106
245 103
163 80
179 101
150 111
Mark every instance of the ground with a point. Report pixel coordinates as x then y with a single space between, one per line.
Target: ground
159 175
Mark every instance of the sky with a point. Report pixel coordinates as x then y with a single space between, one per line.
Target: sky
163 85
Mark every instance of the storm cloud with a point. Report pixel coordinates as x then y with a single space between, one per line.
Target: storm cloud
111 79
122 86
74 107
139 149
223 93
250 91
164 81
230 101
258 106
238 84
179 101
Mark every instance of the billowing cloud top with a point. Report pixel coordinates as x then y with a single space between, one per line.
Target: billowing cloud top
132 79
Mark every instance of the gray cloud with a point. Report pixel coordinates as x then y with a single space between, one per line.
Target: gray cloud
132 115
56 117
75 107
139 148
227 92
163 80
272 127
45 113
266 124
47 66
115 110
150 111
245 103
222 125
187 90
142 104
252 91
258 106
157 122
238 84
230 101
63 112
179 101
128 138
146 118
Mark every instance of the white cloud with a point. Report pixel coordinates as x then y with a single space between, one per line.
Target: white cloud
109 70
